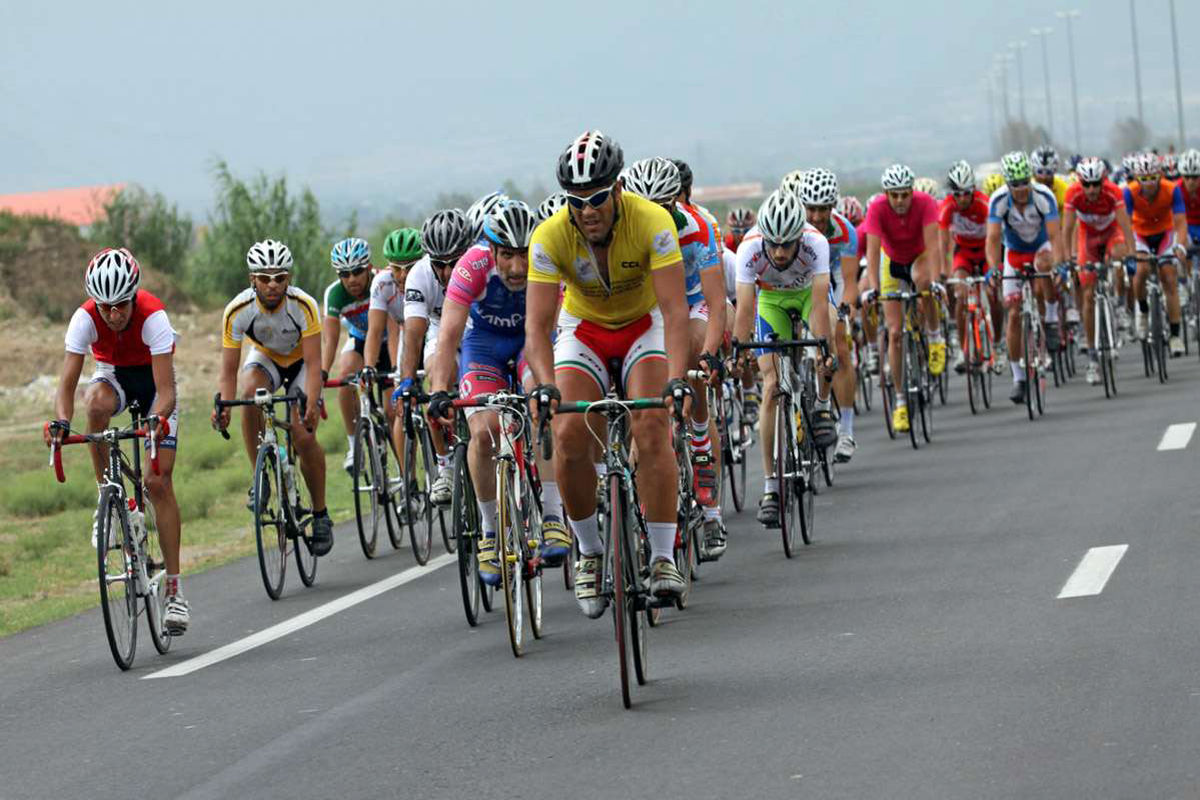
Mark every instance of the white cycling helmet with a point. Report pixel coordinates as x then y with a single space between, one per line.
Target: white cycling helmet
820 188
1044 160
269 254
960 178
793 182
1146 165
1189 163
656 179
510 225
479 211
1090 170
781 217
112 276
445 235
927 185
897 176
551 205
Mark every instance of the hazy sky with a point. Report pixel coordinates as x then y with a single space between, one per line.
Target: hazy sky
366 100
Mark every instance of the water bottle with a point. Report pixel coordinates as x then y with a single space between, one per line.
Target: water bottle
137 522
799 426
289 481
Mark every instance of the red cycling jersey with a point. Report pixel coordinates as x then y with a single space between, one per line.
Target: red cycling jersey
1191 201
969 227
1095 215
124 348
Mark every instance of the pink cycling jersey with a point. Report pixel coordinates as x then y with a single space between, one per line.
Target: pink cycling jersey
902 237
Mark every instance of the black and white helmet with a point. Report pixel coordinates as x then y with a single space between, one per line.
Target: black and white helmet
269 254
112 276
820 188
1090 170
510 224
960 178
1189 163
590 162
479 211
897 176
793 182
781 217
551 205
656 179
446 235
1044 160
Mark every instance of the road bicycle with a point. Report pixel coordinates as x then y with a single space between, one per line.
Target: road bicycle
917 382
280 503
979 342
1034 359
420 471
1155 348
737 437
1104 324
131 572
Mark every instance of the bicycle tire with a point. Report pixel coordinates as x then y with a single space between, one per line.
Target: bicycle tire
887 397
972 361
302 521
637 568
865 386
805 484
394 492
735 465
908 367
363 477
114 568
439 512
616 537
156 601
508 542
943 377
1103 344
925 394
1030 368
464 519
684 551
785 468
531 521
418 481
270 527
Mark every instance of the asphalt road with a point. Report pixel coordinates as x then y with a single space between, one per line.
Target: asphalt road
918 649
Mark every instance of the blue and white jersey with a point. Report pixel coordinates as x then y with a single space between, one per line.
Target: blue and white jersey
1024 228
698 244
493 306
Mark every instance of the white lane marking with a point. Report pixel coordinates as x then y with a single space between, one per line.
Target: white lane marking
1094 570
294 624
1177 436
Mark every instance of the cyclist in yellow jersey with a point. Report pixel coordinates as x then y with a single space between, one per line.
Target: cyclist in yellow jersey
619 258
284 326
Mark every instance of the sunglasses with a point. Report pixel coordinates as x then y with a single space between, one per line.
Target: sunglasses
595 201
964 193
403 266
271 277
346 273
110 308
442 263
1019 183
1045 173
819 209
1148 178
1091 184
901 195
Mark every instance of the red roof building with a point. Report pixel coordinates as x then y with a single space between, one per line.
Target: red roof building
81 205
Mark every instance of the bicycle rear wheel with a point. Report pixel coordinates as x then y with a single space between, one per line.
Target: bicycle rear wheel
270 528
925 396
418 512
971 356
909 380
367 511
394 494
118 595
616 538
1030 367
464 519
531 521
301 529
156 600
785 471
733 457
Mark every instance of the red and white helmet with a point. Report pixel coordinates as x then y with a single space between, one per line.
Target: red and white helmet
1090 170
112 276
1146 165
852 209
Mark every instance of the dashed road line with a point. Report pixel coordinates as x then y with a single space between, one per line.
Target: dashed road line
1093 572
1177 436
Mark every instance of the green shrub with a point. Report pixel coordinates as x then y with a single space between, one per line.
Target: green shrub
153 229
37 494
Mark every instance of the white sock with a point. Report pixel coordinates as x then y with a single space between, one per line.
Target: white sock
662 540
848 422
1018 372
770 485
935 335
487 513
712 512
551 499
587 533
173 584
1051 312
443 463
350 443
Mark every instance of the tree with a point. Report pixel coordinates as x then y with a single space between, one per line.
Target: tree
151 228
1019 135
1129 135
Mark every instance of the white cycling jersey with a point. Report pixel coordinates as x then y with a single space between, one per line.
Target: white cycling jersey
812 259
729 259
387 295
423 292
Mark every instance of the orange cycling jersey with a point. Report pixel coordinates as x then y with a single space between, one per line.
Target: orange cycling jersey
1152 217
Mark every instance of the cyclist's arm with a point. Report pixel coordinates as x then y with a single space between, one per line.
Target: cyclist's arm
1069 220
377 323
993 246
747 304
850 280
395 331
314 384
819 318
930 232
541 309
68 381
672 300
873 245
712 284
331 331
450 332
1126 227
1054 231
1181 230
945 243
414 345
162 366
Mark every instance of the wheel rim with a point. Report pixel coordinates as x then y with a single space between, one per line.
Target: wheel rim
118 598
366 497
269 524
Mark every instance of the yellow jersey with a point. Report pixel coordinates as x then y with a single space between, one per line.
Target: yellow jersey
278 334
643 240
1059 187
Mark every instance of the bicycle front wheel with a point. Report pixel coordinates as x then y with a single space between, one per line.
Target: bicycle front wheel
464 516
785 472
531 522
418 510
508 542
301 522
367 511
118 594
270 528
617 567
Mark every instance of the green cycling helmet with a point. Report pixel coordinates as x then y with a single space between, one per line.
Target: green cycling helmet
1015 167
403 244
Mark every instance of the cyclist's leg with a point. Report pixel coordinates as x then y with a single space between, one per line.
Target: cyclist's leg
893 315
160 488
349 362
437 435
1012 301
311 455
772 319
704 444
258 372
1168 275
102 399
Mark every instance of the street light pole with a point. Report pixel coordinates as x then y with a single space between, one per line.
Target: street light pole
991 93
1001 62
1042 33
1068 16
1018 47
1137 65
1178 88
